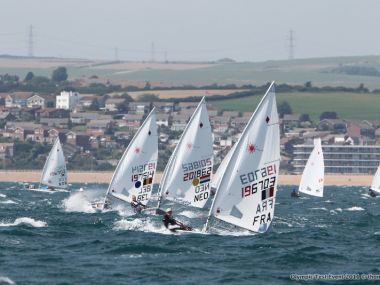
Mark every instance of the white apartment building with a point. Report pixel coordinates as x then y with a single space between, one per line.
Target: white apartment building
67 100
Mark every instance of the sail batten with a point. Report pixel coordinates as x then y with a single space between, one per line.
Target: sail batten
312 179
187 176
54 173
245 196
136 169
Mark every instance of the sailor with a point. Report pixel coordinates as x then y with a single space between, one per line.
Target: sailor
169 220
295 194
371 192
137 206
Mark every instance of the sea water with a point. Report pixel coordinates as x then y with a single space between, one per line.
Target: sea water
59 239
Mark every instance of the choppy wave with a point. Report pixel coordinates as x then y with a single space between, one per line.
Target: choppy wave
144 225
78 202
6 280
8 202
190 214
355 209
25 221
319 208
3 195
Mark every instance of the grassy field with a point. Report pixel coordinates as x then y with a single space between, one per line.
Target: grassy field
298 71
167 94
354 106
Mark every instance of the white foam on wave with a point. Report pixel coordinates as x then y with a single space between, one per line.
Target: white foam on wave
327 201
25 221
338 209
78 202
6 280
190 214
3 195
147 225
224 232
321 208
8 202
142 225
352 209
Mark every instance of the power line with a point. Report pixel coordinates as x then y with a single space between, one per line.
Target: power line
291 45
116 54
152 53
30 42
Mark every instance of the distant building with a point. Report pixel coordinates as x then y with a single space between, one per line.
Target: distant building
162 119
17 99
6 150
356 159
67 100
138 107
111 104
40 101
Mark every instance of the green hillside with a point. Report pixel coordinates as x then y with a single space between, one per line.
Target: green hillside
357 106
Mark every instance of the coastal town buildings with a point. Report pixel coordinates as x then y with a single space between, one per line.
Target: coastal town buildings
67 100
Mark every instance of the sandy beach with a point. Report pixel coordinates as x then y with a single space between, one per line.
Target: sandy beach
105 177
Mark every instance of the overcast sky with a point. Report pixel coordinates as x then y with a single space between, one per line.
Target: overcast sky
245 30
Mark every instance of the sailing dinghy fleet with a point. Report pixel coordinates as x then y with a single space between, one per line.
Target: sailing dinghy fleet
242 192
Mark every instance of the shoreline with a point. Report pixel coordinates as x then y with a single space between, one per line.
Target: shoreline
105 177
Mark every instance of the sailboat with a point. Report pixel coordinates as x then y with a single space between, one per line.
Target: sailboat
186 178
136 169
374 190
312 179
54 174
245 196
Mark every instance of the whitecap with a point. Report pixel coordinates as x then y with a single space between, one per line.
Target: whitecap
322 209
3 195
78 202
338 209
190 214
147 225
6 280
355 209
143 225
327 201
25 221
8 202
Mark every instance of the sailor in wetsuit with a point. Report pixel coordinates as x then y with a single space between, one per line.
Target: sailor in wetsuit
371 192
295 194
169 220
137 206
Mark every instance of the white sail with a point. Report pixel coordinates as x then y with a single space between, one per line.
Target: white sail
54 173
217 177
376 181
187 176
135 171
313 175
247 191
